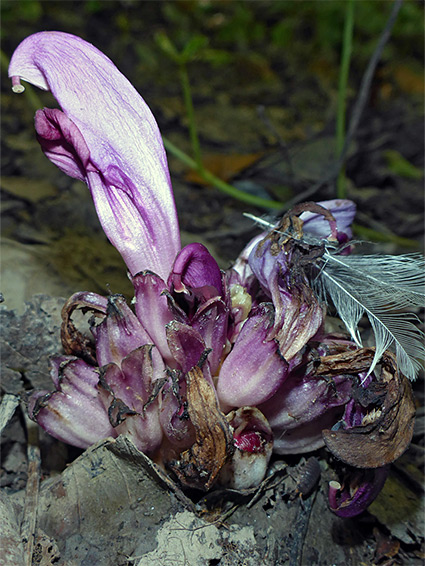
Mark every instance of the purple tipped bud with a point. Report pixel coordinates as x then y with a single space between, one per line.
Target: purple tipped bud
253 440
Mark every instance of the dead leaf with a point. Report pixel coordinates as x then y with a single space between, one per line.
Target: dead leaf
27 341
12 550
224 166
386 547
46 551
400 509
106 505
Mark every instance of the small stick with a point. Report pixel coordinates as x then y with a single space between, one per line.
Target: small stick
29 521
300 531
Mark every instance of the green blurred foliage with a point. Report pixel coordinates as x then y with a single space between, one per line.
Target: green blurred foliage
400 166
307 27
260 47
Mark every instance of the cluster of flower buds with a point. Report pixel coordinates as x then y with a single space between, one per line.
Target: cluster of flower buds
210 372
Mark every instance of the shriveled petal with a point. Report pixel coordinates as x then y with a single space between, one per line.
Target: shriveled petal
254 370
298 314
196 270
119 333
75 412
388 409
342 210
130 183
301 319
358 491
74 341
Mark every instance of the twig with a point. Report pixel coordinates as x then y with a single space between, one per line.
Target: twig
29 522
300 531
358 108
219 183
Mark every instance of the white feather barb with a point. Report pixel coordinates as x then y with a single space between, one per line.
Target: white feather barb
385 288
381 287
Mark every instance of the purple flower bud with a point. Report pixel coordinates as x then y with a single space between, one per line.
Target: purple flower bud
196 271
254 370
253 441
359 489
106 136
129 396
211 322
152 309
175 421
186 345
302 407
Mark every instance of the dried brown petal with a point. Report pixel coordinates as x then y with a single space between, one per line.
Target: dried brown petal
74 342
386 432
200 465
386 547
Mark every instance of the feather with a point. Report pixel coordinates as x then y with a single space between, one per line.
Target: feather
385 288
380 286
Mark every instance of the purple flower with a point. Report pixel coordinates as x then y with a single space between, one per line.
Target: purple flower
106 136
63 413
211 371
358 490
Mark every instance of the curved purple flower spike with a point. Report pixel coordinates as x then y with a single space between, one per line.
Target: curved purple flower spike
107 136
